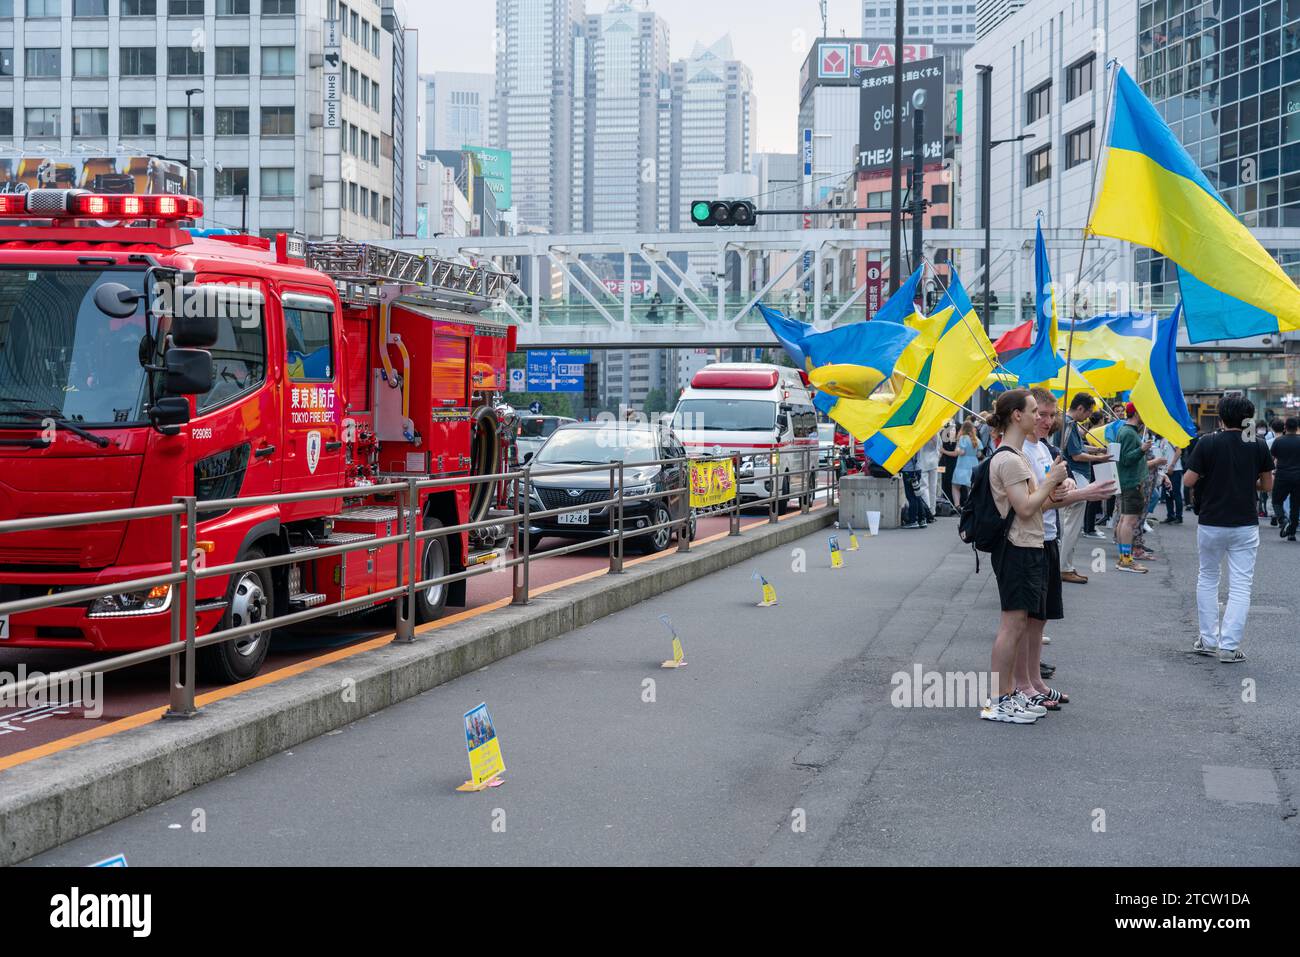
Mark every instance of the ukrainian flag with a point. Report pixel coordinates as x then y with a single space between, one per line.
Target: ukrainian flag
1153 194
1158 394
851 361
958 360
1040 362
1111 350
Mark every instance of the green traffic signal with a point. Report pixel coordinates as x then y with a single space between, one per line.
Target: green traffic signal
723 212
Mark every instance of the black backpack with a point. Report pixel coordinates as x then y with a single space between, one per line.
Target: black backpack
981 525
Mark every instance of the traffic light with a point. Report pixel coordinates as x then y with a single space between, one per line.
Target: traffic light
722 212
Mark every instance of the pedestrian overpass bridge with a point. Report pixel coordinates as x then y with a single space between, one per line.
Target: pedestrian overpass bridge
598 291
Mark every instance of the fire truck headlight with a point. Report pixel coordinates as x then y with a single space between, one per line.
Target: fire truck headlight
156 599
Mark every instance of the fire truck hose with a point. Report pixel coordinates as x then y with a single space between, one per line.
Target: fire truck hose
485 453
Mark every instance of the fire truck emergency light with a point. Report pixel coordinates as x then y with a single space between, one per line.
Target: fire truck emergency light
75 203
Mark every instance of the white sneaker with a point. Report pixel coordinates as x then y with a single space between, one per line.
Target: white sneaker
1037 710
1146 527
1046 640
1006 710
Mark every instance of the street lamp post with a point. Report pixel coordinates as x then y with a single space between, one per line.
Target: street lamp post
986 175
189 133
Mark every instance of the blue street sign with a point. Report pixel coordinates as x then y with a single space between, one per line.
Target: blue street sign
556 370
535 408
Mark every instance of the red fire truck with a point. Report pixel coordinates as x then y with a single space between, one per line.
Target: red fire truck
140 361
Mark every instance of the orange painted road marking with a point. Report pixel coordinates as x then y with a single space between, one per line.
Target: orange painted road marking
310 664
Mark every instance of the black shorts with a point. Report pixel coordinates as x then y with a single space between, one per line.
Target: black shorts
1022 578
1053 608
1132 502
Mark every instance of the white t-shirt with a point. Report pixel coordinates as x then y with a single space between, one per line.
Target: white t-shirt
1041 461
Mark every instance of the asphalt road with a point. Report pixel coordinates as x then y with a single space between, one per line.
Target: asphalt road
783 716
144 687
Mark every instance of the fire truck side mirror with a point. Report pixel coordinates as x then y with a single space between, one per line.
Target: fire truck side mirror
116 300
187 372
199 332
168 414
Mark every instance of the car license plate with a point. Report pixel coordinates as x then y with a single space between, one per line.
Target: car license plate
4 627
575 518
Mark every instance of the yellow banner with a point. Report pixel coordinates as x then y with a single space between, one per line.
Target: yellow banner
712 483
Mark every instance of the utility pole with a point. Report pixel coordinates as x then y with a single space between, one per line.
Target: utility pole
896 159
986 154
918 173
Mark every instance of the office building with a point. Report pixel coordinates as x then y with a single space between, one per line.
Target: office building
458 109
534 96
622 69
711 124
952 22
990 13
94 88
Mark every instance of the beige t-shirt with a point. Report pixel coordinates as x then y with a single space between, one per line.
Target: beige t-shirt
1005 471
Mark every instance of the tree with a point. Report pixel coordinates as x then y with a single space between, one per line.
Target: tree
655 401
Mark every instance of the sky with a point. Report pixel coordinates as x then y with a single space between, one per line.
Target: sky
771 36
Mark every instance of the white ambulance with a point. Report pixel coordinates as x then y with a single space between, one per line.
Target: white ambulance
762 412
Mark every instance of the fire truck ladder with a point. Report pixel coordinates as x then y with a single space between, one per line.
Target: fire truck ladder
363 271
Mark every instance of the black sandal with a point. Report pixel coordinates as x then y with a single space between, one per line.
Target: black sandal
1057 696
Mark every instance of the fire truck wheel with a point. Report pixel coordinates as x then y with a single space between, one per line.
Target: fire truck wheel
430 602
251 599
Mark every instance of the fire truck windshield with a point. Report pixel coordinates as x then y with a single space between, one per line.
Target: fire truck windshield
60 356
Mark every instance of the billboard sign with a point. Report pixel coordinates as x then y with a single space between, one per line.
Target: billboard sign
876 116
841 62
99 174
495 167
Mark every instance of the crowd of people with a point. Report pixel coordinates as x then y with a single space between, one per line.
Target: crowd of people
1057 477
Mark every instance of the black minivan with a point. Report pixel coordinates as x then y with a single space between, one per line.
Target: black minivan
590 443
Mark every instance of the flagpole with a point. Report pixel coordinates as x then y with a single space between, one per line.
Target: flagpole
1083 245
936 393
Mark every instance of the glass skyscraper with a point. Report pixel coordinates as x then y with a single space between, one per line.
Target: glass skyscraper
1225 74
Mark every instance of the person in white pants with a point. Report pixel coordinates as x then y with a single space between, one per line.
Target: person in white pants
1240 546
928 459
1230 467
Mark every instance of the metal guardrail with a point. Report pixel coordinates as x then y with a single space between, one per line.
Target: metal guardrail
188 567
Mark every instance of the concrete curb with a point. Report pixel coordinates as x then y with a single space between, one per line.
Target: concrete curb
54 799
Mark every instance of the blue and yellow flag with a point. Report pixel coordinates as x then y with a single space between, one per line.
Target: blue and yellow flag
1040 362
851 361
1110 350
1158 394
948 361
1155 195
